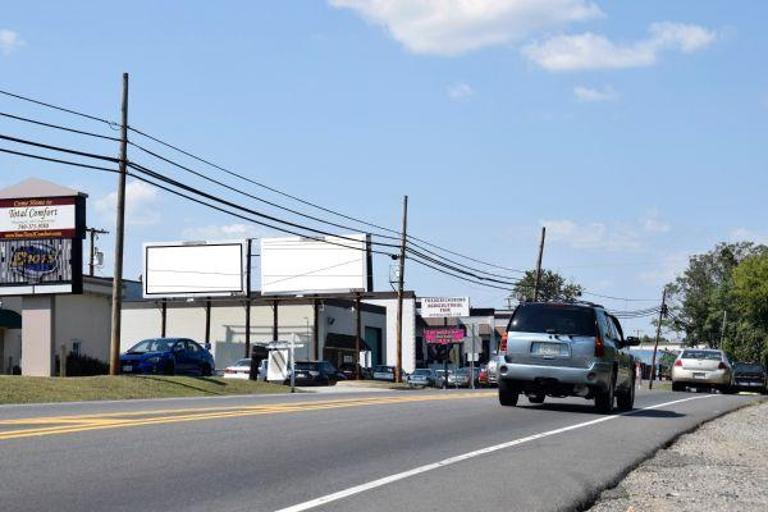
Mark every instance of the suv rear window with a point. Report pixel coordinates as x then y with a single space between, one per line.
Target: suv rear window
749 368
554 318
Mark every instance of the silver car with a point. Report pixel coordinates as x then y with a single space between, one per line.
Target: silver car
567 349
702 368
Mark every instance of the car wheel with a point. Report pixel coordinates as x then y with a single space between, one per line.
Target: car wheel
626 399
508 393
604 400
170 368
678 386
206 370
536 399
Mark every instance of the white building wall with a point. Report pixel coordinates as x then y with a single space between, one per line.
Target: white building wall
84 319
409 331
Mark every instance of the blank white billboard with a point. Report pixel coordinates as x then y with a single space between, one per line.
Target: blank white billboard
179 269
303 265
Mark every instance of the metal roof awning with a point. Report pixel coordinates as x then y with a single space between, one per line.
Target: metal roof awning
344 342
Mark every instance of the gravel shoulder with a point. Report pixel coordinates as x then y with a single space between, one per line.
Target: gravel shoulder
722 466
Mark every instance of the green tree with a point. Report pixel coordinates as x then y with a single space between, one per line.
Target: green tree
552 287
747 340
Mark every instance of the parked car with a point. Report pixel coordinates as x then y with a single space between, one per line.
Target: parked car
387 373
750 377
702 369
439 378
239 370
315 373
482 376
459 378
167 356
348 369
567 349
424 377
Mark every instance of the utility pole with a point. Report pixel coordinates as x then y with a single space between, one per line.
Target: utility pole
400 284
92 237
358 322
662 313
472 360
538 265
722 329
117 280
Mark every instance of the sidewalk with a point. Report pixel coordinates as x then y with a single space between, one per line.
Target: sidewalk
723 466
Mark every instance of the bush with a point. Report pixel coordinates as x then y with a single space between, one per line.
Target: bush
81 365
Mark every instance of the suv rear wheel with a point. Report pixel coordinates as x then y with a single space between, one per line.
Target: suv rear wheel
604 399
626 398
508 393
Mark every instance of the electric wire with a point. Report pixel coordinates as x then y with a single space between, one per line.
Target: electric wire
59 127
59 149
56 107
58 160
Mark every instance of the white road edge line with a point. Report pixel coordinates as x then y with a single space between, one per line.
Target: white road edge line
329 498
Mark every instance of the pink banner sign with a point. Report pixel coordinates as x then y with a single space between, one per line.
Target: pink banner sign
443 335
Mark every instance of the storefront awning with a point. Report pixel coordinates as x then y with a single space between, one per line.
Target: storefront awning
10 319
344 342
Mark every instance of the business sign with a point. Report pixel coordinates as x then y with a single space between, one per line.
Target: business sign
189 269
42 217
31 267
444 307
443 335
312 265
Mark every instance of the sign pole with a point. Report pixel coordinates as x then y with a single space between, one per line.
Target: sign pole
293 363
117 280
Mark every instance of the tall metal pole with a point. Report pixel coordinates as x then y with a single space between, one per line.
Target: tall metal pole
358 321
117 280
538 265
658 335
400 284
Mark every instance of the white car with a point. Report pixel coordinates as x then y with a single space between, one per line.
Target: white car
240 370
702 368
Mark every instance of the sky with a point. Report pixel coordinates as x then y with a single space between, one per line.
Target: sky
634 131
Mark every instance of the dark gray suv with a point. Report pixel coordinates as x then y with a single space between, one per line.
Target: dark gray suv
567 349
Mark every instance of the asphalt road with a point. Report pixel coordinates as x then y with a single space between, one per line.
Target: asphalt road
413 451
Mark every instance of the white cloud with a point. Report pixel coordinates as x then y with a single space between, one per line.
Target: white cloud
653 223
140 199
595 95
9 41
592 235
594 51
459 91
213 232
670 266
747 235
452 27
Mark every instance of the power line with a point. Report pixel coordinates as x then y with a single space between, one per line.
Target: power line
625 299
458 269
59 149
56 107
58 127
57 160
442 271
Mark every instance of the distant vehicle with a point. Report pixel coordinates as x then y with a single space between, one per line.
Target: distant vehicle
492 369
750 377
424 377
702 369
459 378
439 378
167 356
567 349
239 370
482 376
387 373
315 373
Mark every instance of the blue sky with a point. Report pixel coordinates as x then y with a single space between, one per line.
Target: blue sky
635 131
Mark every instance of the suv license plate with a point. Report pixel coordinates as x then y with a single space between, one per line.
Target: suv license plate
550 349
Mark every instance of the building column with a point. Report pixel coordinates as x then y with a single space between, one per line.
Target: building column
38 333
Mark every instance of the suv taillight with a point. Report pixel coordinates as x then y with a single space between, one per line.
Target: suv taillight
503 343
679 362
722 366
599 347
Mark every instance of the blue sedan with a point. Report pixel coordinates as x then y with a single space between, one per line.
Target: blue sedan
167 356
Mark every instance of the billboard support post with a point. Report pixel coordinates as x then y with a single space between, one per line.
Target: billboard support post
400 284
274 320
249 256
163 318
117 280
207 323
358 322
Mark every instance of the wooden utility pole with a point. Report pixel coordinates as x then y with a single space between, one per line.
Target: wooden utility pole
358 322
117 280
92 235
400 284
662 311
538 265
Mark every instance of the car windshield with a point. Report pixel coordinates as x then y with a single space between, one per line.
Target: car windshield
153 345
554 319
306 366
749 368
708 355
384 369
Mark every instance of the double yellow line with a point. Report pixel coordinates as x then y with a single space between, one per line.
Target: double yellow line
57 425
